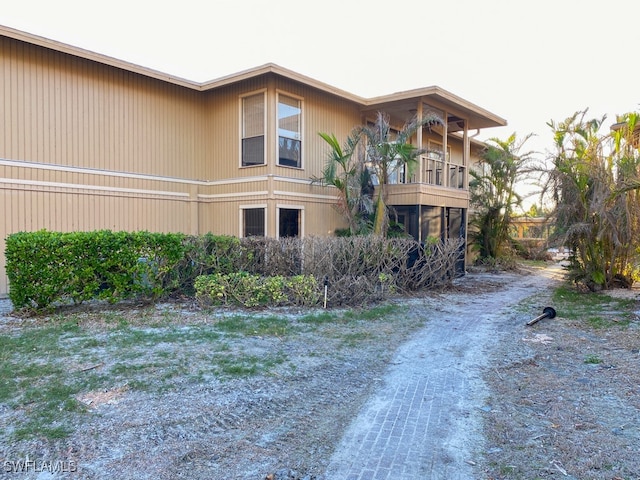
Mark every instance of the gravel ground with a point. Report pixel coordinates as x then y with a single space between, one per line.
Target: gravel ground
549 414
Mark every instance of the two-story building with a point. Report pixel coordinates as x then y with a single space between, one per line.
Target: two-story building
91 142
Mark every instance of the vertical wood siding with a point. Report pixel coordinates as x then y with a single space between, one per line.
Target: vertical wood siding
65 110
321 113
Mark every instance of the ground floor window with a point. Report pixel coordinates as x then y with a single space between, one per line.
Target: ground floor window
253 222
289 221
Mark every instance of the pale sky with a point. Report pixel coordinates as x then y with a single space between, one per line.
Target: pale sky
528 62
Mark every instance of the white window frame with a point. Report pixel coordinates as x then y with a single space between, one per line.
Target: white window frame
301 134
264 126
252 206
290 207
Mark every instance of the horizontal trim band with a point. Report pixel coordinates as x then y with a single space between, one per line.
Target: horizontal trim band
305 195
231 195
142 176
71 186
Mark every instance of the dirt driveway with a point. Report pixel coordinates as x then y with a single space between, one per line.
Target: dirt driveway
532 410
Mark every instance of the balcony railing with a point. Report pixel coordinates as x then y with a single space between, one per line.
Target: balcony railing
432 170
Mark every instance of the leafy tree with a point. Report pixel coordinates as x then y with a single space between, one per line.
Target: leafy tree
345 171
388 153
493 193
594 183
370 152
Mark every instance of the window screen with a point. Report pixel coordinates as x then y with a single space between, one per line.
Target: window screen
253 222
253 130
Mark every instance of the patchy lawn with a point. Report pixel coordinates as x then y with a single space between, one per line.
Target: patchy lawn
565 399
177 392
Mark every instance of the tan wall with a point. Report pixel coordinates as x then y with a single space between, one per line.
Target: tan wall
223 216
321 113
84 146
30 205
412 194
69 111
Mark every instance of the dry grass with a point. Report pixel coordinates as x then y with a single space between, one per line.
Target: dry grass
565 397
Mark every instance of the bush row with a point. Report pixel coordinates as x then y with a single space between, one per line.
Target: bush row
247 290
359 269
48 268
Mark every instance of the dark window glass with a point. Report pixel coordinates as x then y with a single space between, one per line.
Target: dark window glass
253 151
289 222
253 222
289 152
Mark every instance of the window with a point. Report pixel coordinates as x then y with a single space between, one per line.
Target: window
289 132
253 222
253 111
288 222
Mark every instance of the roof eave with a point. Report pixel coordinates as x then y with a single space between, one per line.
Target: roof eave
492 120
149 72
283 72
96 57
489 119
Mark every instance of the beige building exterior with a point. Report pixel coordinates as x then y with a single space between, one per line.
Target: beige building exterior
91 142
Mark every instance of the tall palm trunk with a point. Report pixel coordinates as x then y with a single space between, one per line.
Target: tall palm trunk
381 218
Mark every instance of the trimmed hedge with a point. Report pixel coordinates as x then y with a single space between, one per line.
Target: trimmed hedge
205 255
45 267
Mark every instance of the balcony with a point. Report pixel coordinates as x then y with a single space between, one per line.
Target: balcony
431 171
428 184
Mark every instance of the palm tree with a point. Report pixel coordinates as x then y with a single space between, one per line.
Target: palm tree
595 185
493 193
387 154
347 173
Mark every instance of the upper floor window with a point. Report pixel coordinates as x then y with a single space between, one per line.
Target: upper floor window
396 172
253 130
289 131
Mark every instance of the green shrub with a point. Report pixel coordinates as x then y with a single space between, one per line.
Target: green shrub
211 289
303 290
45 267
247 290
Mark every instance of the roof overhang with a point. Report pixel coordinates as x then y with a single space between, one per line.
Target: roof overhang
404 106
